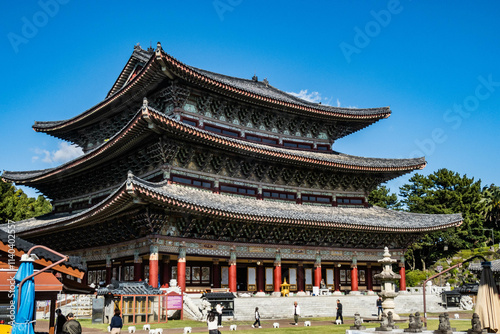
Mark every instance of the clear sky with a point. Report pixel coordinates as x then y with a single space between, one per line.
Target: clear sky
435 63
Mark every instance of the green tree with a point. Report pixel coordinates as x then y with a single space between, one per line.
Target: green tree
381 197
16 205
491 200
445 192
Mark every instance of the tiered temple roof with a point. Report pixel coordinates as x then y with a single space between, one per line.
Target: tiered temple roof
152 143
161 66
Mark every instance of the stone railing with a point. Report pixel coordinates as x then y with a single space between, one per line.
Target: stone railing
430 289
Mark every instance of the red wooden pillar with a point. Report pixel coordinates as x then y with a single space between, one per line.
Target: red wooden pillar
109 269
354 274
369 278
277 272
165 273
216 281
153 266
181 267
260 277
300 276
402 272
137 266
354 278
317 270
336 277
232 270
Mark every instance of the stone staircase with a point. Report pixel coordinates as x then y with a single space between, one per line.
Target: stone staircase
325 306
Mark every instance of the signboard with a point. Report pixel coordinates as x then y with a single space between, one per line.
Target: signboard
174 302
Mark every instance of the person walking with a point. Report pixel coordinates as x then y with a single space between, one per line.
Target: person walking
339 312
257 318
296 313
379 306
219 308
116 323
71 326
60 320
212 321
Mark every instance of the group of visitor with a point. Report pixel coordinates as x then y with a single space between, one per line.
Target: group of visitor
69 325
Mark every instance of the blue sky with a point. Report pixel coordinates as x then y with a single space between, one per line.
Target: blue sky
435 63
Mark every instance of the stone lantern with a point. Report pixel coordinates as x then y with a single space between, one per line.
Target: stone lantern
388 278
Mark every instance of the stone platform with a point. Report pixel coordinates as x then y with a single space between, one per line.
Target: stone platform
399 331
325 306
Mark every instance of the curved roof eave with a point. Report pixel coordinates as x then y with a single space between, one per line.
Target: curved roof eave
136 82
255 91
148 114
245 209
263 92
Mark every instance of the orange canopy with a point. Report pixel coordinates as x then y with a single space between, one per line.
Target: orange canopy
43 282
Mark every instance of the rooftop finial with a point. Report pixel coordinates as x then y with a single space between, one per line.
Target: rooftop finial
158 46
255 78
150 49
137 46
265 82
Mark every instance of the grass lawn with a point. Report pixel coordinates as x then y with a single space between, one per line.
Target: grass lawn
432 324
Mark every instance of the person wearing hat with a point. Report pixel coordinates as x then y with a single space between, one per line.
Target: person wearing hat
71 326
60 320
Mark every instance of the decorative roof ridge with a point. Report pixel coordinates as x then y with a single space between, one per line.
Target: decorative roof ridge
296 103
56 218
54 125
140 55
94 152
376 110
240 208
237 210
284 153
413 163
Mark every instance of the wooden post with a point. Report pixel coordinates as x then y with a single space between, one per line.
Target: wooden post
232 270
109 269
354 278
137 266
260 277
181 267
153 266
277 271
300 276
336 276
317 270
402 272
369 278
52 315
216 273
165 275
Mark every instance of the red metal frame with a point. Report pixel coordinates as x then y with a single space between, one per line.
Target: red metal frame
64 259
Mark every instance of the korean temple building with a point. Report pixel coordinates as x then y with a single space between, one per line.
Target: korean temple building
219 182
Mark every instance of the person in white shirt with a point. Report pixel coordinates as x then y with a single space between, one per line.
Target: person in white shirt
257 318
212 323
296 312
219 308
